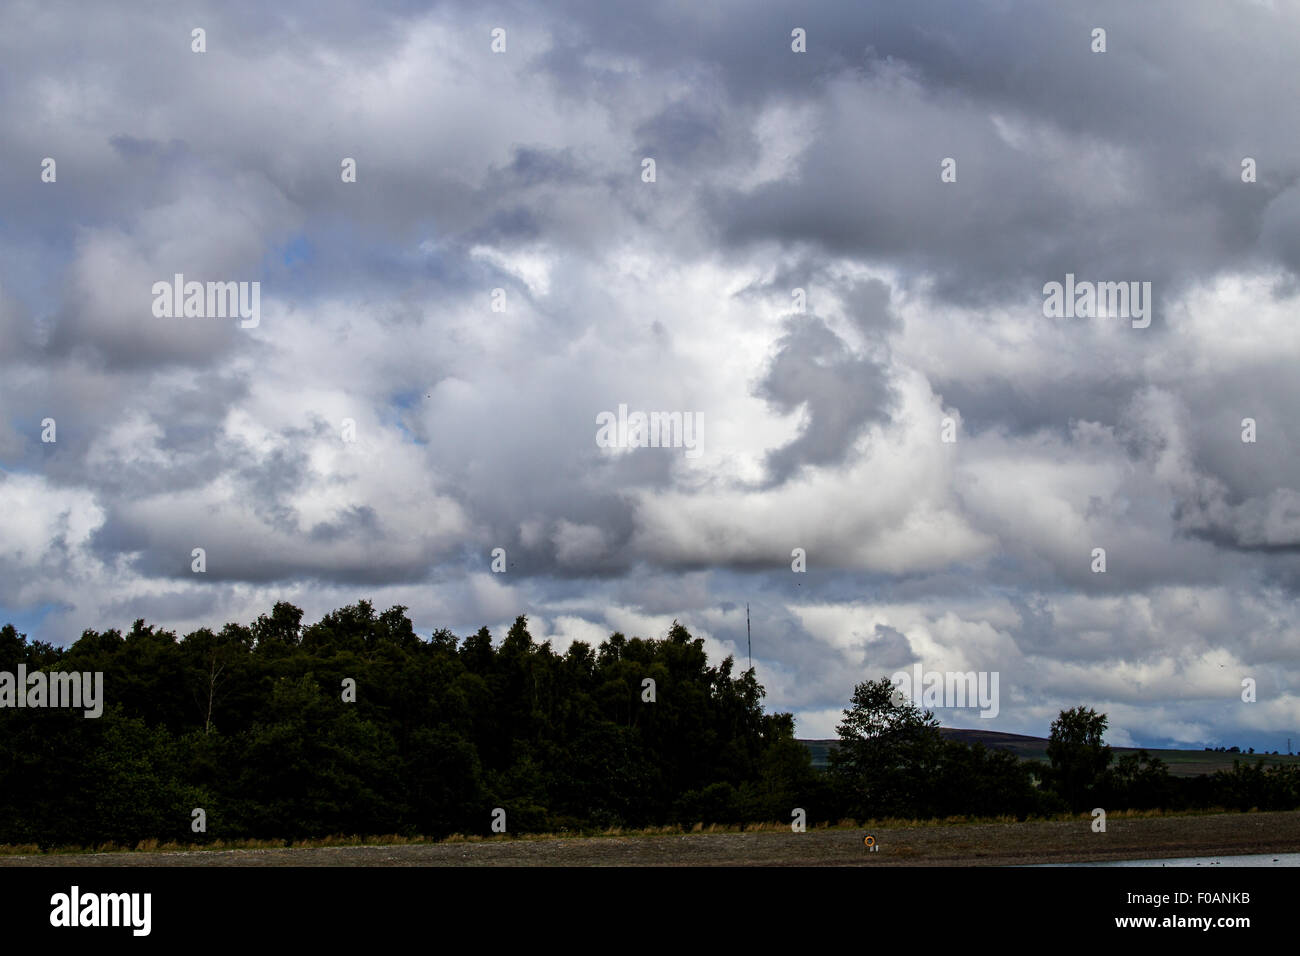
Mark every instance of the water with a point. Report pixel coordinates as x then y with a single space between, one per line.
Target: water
1254 859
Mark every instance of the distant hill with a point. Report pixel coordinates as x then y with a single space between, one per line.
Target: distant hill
1182 763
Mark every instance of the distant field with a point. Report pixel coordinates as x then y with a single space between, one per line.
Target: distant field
1182 763
1127 837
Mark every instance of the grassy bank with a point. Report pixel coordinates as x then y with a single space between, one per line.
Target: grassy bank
963 841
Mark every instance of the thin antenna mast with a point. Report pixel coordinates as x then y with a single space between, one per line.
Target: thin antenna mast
749 645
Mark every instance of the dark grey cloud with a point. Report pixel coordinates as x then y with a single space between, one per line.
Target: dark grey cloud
887 649
840 391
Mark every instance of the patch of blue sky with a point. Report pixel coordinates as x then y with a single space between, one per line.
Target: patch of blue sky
29 621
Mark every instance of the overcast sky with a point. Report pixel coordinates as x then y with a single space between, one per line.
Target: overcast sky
774 170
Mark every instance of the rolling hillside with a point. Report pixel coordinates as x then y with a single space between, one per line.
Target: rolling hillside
1182 763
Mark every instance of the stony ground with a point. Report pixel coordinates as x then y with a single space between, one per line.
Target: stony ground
963 845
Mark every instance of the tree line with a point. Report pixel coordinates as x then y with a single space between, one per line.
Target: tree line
891 760
356 725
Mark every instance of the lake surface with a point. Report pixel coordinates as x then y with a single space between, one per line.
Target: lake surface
1254 859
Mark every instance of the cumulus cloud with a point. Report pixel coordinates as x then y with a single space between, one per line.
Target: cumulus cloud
499 275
